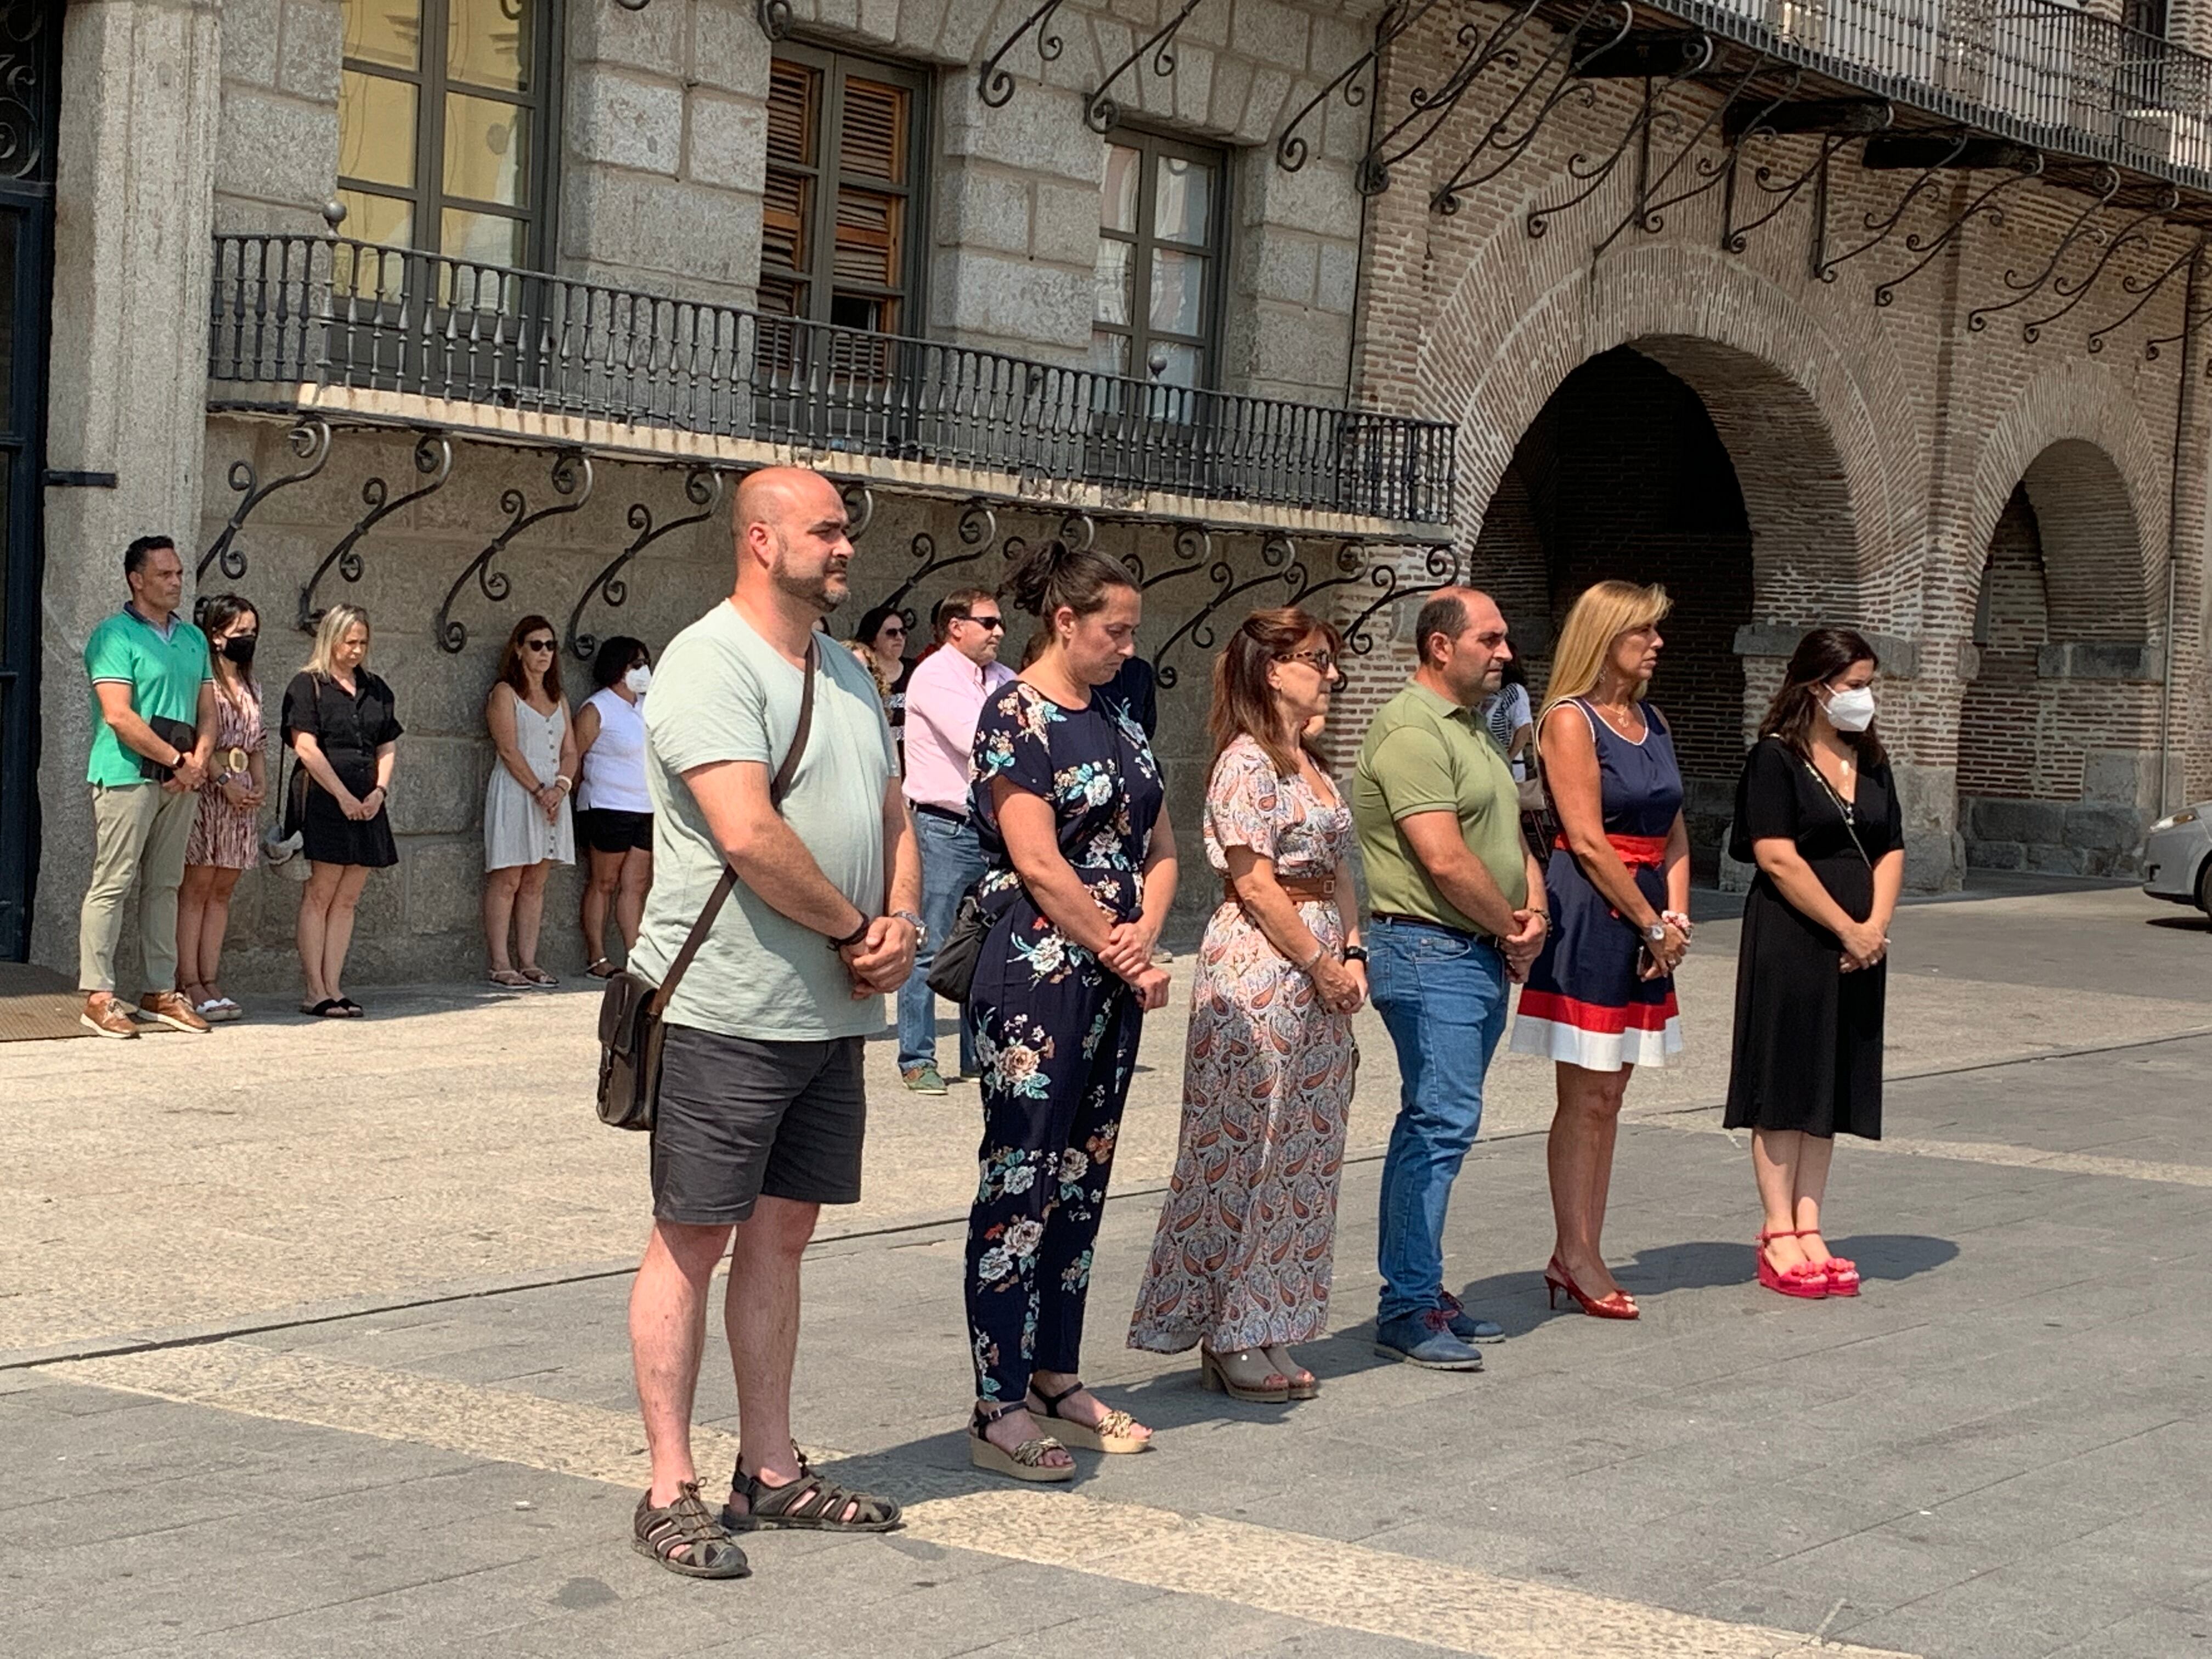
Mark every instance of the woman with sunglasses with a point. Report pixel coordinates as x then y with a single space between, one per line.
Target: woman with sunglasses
223 845
526 826
880 644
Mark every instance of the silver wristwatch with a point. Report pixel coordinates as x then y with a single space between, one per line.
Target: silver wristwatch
1657 933
920 928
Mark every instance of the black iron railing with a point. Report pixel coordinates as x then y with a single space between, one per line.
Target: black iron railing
292 310
2041 72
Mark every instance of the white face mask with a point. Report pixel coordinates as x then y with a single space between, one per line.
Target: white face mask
1851 710
638 679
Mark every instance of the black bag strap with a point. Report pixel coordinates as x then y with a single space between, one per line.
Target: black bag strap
779 787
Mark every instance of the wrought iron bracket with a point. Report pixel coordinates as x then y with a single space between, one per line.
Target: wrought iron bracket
1194 546
1835 117
1480 50
1440 566
1357 82
434 462
1649 55
1100 110
311 442
2024 289
1825 265
978 532
1837 120
1981 206
2129 234
2145 292
1279 553
702 487
1637 132
572 488
1961 152
1648 214
993 85
1498 148
860 510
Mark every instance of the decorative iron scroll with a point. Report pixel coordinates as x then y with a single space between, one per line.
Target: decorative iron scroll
2145 293
1101 111
2023 291
979 533
1279 553
1193 545
1824 266
2191 315
992 84
1080 532
1979 207
1579 45
1480 50
1637 130
311 442
2129 234
1736 232
572 485
860 510
1650 211
433 461
1440 565
25 88
702 487
1357 81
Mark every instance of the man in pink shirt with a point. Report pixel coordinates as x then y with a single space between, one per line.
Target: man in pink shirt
944 695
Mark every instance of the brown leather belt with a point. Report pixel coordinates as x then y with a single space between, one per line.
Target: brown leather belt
1300 890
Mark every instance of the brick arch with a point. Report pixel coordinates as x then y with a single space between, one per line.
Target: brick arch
2096 475
1796 406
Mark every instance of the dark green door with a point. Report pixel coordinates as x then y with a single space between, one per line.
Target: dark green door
29 53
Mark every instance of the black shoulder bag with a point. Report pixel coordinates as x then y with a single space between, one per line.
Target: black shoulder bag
630 1009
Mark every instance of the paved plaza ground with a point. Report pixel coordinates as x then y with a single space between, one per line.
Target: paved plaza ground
312 1342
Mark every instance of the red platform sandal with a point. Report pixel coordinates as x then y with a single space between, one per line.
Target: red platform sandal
1800 1278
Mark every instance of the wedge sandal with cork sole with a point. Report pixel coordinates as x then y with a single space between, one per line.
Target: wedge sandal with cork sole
1256 1379
1025 1463
1116 1434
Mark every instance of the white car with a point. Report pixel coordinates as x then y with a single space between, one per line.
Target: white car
2178 857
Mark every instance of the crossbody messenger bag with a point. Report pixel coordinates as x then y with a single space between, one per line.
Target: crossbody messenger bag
630 1009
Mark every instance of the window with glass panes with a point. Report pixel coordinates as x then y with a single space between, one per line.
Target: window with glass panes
445 130
838 233
1159 254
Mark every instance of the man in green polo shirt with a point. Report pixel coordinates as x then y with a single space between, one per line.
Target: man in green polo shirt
1458 912
153 725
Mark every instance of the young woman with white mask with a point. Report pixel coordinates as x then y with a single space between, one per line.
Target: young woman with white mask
1817 809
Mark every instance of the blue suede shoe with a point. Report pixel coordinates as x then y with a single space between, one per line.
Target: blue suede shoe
1466 1327
1425 1339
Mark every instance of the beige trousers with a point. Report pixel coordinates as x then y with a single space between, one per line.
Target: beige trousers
139 833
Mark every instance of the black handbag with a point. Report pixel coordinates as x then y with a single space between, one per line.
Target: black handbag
952 969
630 1009
181 735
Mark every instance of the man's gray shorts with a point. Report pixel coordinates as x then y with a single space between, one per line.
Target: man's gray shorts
737 1118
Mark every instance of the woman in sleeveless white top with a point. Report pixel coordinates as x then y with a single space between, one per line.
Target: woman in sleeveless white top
526 826
614 806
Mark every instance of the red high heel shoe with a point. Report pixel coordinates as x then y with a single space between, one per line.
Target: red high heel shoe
1619 1305
1843 1273
1800 1278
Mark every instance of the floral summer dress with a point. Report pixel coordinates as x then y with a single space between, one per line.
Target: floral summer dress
223 835
1055 1030
1246 1238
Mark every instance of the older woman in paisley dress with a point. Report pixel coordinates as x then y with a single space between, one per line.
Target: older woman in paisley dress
1080 872
1241 1262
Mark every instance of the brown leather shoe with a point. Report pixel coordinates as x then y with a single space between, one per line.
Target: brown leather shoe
105 1016
175 1010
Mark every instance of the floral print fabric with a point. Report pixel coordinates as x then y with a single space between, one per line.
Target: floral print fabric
1242 1254
1057 1032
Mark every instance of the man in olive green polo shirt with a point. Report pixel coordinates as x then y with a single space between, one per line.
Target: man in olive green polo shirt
153 725
1458 912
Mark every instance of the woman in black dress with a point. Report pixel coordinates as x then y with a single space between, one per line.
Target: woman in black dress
1818 812
339 724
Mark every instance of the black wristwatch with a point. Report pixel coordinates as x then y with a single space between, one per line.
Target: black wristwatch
1355 953
855 936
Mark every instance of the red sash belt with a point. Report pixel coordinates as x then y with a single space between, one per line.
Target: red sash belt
1637 851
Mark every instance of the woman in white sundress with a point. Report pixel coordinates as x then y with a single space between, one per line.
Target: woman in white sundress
526 822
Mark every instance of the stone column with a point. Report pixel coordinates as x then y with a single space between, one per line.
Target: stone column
127 392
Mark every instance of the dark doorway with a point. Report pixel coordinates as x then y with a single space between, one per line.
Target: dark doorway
1622 475
30 49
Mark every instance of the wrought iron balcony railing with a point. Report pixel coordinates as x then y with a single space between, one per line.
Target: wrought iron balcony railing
2038 71
297 310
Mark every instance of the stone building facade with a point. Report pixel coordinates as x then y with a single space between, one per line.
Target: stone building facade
731 199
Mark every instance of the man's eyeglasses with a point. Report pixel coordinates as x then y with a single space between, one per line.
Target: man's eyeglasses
537 645
1322 661
993 624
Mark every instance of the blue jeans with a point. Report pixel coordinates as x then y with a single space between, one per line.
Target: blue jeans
952 860
1442 997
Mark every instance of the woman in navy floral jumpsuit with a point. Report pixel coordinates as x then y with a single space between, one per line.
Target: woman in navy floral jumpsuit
1080 858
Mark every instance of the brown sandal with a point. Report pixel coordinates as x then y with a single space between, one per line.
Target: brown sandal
1025 1463
685 1525
809 1503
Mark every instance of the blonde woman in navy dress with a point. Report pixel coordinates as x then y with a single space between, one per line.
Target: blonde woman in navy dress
1600 1000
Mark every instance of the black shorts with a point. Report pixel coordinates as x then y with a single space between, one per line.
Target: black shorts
738 1118
606 829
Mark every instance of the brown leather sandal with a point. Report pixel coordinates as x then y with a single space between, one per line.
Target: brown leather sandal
809 1503
685 1525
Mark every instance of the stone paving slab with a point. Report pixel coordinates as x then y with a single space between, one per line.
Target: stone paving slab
2000 1451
